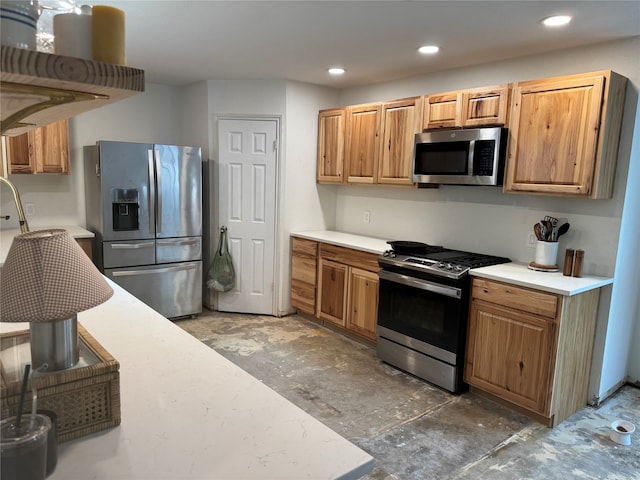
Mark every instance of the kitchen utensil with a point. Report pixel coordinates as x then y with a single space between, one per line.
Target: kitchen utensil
406 247
563 229
537 229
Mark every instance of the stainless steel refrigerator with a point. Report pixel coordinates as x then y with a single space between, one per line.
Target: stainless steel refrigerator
144 204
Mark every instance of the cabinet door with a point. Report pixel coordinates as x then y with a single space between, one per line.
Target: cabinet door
362 309
331 130
401 121
21 153
442 110
42 150
554 136
363 143
485 106
332 292
509 354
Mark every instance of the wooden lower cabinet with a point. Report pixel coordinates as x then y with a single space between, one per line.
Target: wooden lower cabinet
336 285
304 261
530 348
86 245
362 302
332 292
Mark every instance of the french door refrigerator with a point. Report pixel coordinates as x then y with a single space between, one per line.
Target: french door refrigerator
144 204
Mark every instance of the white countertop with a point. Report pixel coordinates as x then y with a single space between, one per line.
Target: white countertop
188 413
553 282
6 237
515 273
349 240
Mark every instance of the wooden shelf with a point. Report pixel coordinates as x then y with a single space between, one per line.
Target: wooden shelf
40 88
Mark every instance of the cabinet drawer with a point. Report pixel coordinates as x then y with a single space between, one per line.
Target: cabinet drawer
304 247
303 296
519 298
348 256
303 268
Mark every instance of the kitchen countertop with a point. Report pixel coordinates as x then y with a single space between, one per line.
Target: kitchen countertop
348 240
553 282
189 413
6 237
514 273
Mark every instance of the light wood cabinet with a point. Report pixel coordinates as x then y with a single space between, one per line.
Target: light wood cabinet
331 135
42 150
332 291
336 285
304 265
348 289
362 302
363 142
87 246
564 134
467 108
401 121
530 348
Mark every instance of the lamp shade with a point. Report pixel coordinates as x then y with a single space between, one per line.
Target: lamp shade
48 277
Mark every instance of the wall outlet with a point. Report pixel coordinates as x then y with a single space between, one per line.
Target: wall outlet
531 239
30 209
366 216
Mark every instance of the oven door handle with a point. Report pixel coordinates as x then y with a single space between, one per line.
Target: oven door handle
421 284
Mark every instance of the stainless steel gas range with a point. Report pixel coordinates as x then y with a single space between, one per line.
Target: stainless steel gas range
423 309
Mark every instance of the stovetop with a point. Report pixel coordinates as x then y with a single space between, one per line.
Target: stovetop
440 261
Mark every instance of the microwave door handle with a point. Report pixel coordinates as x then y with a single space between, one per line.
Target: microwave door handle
152 191
472 148
159 192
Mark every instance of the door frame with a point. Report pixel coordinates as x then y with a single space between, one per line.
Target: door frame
215 221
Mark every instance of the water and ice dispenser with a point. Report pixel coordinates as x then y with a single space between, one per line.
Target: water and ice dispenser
125 207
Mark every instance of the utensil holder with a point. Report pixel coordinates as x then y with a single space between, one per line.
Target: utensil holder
546 253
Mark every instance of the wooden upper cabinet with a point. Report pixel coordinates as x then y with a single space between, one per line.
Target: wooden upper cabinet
43 150
442 110
467 108
485 106
400 121
363 143
331 133
564 135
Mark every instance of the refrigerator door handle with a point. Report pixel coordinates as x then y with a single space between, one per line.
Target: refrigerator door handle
153 271
152 191
127 246
173 243
159 192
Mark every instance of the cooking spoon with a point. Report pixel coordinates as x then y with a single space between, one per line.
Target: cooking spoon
537 229
563 229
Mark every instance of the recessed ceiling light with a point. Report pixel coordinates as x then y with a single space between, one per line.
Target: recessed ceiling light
336 71
429 49
556 20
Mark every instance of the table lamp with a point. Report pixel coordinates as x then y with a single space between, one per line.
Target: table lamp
46 280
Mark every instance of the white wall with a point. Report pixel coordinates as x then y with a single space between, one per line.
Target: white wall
305 206
484 219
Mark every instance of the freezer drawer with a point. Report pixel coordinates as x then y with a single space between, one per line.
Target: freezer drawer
129 252
174 290
183 249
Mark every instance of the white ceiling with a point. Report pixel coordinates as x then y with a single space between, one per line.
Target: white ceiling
181 42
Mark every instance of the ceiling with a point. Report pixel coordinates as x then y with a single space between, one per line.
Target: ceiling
181 42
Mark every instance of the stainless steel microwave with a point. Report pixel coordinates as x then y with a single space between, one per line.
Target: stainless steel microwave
473 156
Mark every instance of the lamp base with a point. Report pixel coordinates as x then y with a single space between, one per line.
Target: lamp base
54 345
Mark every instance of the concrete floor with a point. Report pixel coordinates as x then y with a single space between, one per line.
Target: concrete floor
414 430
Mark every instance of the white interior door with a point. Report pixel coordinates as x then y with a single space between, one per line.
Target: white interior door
247 155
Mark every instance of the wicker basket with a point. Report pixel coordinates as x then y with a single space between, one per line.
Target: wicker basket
85 398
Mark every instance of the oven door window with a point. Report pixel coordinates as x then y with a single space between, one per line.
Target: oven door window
430 317
442 158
